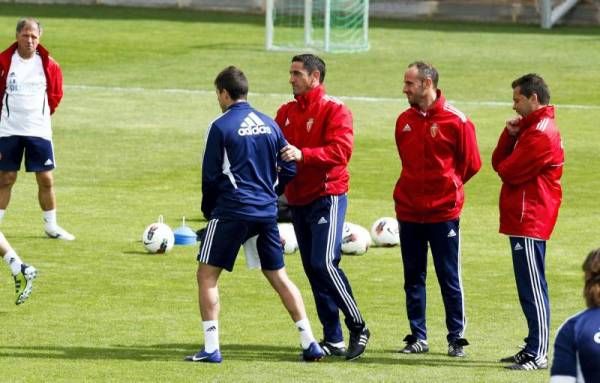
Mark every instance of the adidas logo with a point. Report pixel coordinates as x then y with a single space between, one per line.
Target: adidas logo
300 329
518 247
406 128
48 162
253 125
322 220
451 233
211 328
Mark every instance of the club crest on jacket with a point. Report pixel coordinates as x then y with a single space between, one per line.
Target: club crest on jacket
434 130
309 124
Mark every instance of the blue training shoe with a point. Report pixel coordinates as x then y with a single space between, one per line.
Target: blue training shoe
206 357
313 353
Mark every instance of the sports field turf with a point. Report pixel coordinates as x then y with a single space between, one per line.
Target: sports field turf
129 136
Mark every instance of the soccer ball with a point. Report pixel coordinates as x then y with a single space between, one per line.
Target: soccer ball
355 239
385 232
158 238
288 238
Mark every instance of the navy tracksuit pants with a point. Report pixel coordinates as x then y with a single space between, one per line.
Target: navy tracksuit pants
444 239
318 228
529 256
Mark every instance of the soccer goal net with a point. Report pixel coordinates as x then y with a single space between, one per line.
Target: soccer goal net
324 25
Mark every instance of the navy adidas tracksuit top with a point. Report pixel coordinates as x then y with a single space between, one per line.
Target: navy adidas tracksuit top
242 170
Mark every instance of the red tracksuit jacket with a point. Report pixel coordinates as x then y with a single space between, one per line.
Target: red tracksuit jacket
320 126
439 155
54 78
530 166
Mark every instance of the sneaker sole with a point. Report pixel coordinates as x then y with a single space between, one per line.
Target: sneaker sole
355 357
58 236
413 352
312 360
28 288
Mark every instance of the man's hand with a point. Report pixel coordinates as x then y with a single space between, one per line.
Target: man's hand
512 126
291 153
200 234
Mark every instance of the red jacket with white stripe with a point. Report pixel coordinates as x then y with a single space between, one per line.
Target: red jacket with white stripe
321 127
54 78
530 165
439 154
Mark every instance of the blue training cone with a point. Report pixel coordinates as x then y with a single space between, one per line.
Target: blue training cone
184 235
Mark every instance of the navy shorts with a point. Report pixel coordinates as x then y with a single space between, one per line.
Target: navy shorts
39 154
225 236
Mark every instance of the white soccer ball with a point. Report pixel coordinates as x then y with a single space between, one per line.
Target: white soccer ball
288 238
385 232
158 238
355 239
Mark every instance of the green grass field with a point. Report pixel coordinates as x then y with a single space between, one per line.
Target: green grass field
129 136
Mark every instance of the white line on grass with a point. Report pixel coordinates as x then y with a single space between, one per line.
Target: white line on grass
494 104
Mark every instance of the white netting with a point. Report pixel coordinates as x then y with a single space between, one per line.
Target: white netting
327 25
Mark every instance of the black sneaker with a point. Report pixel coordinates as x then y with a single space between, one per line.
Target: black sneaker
517 358
414 345
358 343
528 362
331 350
455 348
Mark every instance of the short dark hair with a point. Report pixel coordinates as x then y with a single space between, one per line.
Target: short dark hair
233 81
426 70
591 269
533 83
28 20
312 63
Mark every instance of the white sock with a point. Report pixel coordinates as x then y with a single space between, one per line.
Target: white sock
211 335
306 334
50 218
14 262
2 211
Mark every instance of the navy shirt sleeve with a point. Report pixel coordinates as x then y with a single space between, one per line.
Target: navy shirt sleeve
211 170
286 170
565 351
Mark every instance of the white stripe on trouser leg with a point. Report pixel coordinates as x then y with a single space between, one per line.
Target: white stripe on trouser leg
545 331
208 239
333 273
535 288
540 304
460 285
329 256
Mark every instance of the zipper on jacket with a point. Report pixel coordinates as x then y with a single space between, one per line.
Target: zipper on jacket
44 104
522 208
6 103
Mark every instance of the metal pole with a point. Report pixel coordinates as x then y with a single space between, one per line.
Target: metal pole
269 25
366 24
308 23
327 25
546 13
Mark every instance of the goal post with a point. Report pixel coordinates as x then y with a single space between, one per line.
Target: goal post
322 25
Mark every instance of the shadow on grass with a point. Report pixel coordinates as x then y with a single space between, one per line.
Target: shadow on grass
138 252
232 352
156 352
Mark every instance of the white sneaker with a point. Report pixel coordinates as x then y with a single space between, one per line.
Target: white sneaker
24 283
58 232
